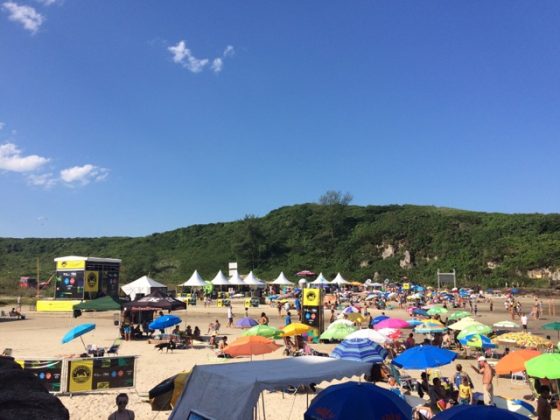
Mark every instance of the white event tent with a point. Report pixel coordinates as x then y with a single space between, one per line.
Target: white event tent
252 280
235 280
320 281
220 280
339 280
282 280
195 281
144 285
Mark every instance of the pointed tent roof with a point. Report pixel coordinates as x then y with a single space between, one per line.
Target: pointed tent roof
339 280
220 279
282 280
321 280
194 281
142 285
252 280
236 280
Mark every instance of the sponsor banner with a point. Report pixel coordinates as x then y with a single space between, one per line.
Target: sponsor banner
311 297
56 305
49 372
100 373
406 286
91 283
71 265
69 285
80 375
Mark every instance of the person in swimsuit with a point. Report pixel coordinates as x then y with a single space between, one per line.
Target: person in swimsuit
122 413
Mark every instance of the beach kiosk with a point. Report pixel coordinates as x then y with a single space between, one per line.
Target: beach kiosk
82 278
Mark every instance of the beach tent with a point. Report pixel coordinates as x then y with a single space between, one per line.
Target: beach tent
252 280
235 280
220 279
320 281
238 385
144 285
339 280
282 280
106 303
157 301
194 281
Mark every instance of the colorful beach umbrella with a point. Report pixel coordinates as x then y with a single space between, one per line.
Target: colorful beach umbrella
251 346
370 334
414 322
353 400
164 322
295 328
390 332
359 350
419 311
424 357
555 326
76 332
264 331
505 324
477 341
430 328
478 412
341 321
544 366
437 310
350 310
338 332
246 323
395 323
515 361
459 315
463 323
474 329
378 319
356 317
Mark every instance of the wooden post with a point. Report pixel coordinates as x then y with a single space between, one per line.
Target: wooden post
38 277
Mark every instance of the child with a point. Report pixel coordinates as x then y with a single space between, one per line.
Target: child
465 392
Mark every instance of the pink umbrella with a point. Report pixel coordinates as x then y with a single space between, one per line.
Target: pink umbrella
392 323
305 273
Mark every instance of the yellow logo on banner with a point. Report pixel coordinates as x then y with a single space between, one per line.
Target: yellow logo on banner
70 265
80 377
92 281
311 297
406 286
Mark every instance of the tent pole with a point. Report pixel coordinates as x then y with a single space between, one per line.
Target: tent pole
85 348
264 413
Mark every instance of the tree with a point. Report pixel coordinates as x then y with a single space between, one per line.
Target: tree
332 197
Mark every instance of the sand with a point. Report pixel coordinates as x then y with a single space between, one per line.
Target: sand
39 336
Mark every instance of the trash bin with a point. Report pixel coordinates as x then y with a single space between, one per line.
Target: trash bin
219 303
192 300
255 302
116 319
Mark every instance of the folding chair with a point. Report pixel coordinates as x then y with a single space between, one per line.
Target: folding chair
518 377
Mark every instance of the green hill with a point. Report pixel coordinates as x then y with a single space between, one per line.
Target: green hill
392 241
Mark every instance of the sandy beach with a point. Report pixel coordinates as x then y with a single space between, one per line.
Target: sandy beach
39 337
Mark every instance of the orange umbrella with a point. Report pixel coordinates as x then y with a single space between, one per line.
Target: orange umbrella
251 345
515 361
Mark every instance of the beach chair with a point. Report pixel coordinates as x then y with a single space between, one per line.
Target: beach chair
114 349
405 381
518 377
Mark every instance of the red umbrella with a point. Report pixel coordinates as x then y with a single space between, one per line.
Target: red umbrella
305 273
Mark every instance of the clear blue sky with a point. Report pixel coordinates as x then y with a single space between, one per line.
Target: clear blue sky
113 126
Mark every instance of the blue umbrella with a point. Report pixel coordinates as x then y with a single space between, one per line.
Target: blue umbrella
353 400
424 357
76 332
378 319
164 322
419 311
414 322
360 350
246 323
479 412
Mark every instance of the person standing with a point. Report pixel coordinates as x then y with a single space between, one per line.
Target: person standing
288 319
230 315
487 377
544 409
524 321
122 413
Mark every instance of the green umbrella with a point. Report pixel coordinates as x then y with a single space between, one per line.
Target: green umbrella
337 333
264 331
459 315
553 326
544 366
475 329
437 310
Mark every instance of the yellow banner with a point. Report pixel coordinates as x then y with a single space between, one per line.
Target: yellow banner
91 283
70 265
80 375
406 286
311 297
56 305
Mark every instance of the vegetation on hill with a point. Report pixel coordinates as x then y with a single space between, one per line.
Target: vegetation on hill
359 241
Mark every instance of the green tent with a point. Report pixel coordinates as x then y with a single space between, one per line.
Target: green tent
106 303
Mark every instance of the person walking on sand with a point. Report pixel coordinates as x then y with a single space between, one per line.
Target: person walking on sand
122 413
487 377
524 321
230 316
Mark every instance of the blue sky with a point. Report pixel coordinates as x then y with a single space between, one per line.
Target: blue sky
133 117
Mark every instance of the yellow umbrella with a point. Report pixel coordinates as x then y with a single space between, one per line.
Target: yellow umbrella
295 328
464 323
356 317
433 322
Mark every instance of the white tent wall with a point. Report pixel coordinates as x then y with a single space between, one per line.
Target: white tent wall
144 285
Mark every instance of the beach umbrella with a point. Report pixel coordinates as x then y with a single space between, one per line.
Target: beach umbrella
459 315
356 317
338 332
515 361
414 322
474 329
390 332
463 323
246 323
370 334
164 322
437 310
544 366
555 326
424 357
395 323
305 273
353 400
477 341
360 350
506 324
420 311
164 395
76 332
295 328
479 412
350 310
251 346
378 319
264 331
342 321
430 328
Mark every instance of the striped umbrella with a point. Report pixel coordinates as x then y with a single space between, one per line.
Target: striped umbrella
360 350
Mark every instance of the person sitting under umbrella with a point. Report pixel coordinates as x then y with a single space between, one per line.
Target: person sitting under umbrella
439 399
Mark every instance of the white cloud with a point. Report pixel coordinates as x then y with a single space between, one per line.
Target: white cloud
26 15
2 125
46 180
11 159
229 51
217 65
48 2
182 55
83 175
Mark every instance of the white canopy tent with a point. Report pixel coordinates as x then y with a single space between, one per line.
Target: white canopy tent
194 281
144 285
320 281
220 279
339 280
235 280
252 280
238 385
282 280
